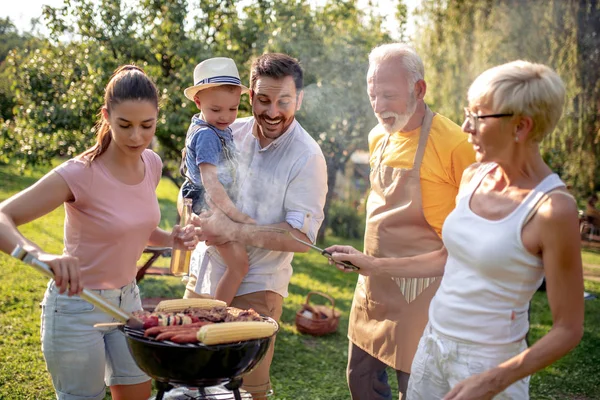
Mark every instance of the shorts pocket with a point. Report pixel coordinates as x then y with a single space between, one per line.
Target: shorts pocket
134 302
485 358
42 322
420 361
73 305
476 367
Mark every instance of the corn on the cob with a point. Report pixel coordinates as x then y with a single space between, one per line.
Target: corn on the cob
231 332
177 305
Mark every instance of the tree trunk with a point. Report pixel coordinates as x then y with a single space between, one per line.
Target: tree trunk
332 167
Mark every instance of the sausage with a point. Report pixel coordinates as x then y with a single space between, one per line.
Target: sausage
168 335
186 337
156 330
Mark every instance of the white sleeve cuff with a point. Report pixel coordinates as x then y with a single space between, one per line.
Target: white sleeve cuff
304 222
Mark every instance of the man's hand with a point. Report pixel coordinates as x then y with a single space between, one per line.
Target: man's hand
349 253
214 227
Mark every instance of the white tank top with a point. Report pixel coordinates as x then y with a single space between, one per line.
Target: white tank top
490 276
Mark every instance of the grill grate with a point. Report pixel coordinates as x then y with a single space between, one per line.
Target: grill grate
213 393
138 334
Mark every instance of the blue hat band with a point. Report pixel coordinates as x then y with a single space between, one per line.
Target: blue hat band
220 79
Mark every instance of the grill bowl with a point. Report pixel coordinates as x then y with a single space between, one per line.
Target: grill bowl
195 365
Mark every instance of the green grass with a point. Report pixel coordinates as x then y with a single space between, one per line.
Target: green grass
304 367
591 256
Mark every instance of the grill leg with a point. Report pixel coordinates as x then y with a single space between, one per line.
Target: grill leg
236 394
162 388
234 385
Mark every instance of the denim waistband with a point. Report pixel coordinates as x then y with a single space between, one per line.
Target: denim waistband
129 288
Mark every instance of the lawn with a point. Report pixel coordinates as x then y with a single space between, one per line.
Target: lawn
304 367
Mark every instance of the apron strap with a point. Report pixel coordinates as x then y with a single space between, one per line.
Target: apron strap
386 140
425 128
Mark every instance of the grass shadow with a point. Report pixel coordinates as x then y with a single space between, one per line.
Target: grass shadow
12 183
581 367
591 247
168 212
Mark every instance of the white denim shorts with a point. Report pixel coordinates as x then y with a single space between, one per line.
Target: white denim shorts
441 362
83 360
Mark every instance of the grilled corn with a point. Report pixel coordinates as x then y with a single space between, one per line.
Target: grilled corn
177 305
231 332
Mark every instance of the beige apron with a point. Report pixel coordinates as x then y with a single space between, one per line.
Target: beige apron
388 315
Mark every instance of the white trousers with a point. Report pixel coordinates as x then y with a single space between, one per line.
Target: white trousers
442 362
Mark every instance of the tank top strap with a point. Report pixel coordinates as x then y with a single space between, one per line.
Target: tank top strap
539 194
476 179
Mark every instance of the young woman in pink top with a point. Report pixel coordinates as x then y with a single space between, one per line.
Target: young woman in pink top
111 214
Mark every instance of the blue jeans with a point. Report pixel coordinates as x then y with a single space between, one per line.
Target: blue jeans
190 191
83 360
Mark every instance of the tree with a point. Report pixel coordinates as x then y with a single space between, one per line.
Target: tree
332 43
59 88
10 40
460 39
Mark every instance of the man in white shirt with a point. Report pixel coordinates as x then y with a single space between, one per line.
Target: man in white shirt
282 181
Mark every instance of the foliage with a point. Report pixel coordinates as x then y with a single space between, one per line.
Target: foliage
303 367
346 220
460 39
331 41
55 103
10 39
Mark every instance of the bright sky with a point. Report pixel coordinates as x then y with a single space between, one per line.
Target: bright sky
22 11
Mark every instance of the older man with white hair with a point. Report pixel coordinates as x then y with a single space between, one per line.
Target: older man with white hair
417 159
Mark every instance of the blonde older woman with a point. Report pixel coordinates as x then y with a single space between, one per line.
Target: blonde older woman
514 223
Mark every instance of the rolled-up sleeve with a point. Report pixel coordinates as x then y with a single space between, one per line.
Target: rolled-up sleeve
305 197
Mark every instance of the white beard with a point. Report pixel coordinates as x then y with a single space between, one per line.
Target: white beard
400 120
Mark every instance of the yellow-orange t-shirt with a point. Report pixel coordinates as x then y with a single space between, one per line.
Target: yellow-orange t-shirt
446 156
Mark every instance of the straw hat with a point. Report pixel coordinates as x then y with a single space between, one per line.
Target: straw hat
214 72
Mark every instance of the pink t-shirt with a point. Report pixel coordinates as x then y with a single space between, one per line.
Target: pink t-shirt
109 223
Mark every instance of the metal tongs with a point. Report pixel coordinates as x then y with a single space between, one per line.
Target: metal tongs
325 253
123 316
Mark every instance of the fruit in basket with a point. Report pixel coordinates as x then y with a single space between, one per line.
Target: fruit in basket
231 332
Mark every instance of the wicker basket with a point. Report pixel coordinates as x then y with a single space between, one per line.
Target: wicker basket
317 320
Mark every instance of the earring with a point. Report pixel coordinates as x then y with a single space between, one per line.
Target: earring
516 139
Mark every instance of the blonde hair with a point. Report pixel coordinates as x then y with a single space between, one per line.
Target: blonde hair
405 54
522 88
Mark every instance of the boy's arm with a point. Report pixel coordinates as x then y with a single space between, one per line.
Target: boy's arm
218 195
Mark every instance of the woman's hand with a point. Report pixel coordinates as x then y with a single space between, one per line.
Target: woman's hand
66 272
476 387
186 234
349 253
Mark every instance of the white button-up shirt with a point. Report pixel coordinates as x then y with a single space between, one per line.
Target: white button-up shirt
284 181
